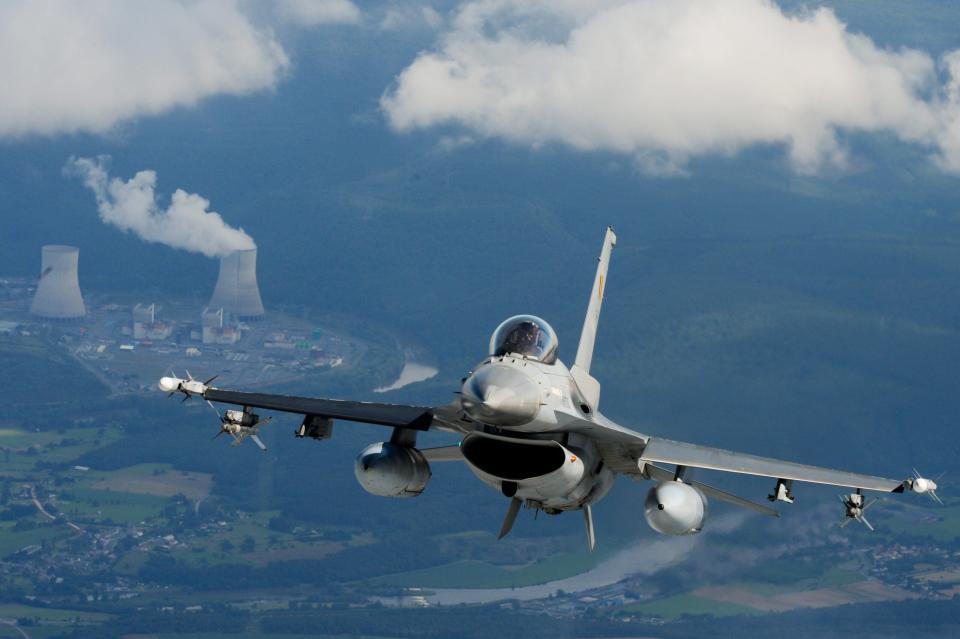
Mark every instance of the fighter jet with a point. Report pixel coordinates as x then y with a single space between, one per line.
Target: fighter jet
530 427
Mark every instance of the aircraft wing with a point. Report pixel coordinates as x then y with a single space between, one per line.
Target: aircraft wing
626 451
694 456
395 415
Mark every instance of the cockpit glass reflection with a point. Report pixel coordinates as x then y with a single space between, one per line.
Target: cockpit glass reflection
527 336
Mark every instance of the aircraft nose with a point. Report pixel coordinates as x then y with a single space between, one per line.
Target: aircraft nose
501 396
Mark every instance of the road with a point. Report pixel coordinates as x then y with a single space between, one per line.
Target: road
43 511
13 624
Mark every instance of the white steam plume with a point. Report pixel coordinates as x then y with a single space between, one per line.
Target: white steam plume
132 206
668 80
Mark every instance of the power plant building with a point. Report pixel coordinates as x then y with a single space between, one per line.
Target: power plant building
144 315
58 292
236 291
146 326
214 331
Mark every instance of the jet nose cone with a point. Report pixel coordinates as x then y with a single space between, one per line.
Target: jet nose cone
500 395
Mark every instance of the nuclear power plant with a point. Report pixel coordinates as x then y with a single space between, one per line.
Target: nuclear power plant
58 293
236 291
130 342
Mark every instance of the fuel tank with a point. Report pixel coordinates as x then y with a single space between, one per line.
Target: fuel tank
389 470
675 508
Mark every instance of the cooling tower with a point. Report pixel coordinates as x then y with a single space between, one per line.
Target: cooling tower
237 291
58 292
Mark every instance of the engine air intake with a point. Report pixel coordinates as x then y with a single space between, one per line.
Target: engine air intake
513 459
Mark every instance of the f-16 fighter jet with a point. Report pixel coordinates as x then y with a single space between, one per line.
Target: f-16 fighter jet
530 427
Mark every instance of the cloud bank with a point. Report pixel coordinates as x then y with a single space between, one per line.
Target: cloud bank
669 80
69 66
132 206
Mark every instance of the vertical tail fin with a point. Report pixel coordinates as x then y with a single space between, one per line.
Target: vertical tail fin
589 334
580 370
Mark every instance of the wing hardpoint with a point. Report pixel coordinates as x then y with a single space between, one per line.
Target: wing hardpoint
694 456
398 416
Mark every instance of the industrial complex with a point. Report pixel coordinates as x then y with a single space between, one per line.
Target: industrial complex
130 342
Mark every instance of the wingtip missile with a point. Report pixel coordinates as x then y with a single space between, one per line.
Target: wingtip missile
923 486
190 387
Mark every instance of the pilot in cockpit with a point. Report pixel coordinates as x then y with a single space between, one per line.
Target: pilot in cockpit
524 339
526 336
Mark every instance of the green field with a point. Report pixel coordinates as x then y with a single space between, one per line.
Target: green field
479 574
830 578
254 633
30 363
940 523
24 447
87 504
160 480
679 605
19 611
11 541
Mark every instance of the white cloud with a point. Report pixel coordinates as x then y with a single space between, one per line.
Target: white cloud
69 66
132 206
311 13
410 15
667 80
949 157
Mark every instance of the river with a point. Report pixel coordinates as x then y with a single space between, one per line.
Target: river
410 374
642 558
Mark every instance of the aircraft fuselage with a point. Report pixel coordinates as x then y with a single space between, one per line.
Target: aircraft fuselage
521 450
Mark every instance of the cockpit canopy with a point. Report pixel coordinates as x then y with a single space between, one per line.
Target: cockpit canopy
525 335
